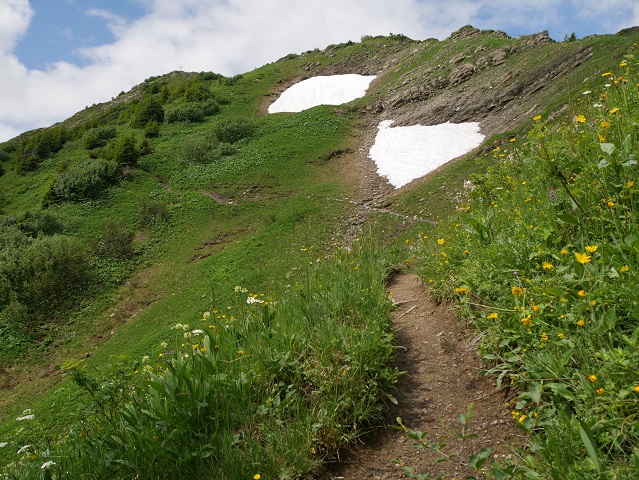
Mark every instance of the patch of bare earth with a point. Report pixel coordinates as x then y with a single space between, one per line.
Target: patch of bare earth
442 378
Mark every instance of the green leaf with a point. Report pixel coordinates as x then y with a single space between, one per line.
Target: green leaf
566 218
478 459
589 442
608 148
610 319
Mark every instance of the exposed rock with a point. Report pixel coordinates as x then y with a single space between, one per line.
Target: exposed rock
456 59
461 73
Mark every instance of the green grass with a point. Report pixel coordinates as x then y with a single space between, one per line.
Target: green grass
296 392
542 260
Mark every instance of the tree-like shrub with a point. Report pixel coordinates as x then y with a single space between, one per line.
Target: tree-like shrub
150 109
98 137
124 151
152 129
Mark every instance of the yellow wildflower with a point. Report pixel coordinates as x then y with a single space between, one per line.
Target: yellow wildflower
493 316
544 336
614 110
605 124
624 269
257 476
522 418
581 322
547 266
461 290
526 320
537 118
560 336
593 303
600 391
611 203
564 251
592 378
240 352
606 74
630 184
517 291
582 293
591 248
623 63
636 388
535 308
582 257
440 241
580 119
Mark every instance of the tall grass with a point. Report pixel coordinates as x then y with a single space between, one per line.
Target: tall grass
542 256
263 386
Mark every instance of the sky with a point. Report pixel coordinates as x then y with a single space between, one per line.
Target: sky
58 56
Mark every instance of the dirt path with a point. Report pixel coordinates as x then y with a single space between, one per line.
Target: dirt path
441 380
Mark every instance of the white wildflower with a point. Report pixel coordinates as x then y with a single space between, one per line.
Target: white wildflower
145 358
187 335
185 327
24 449
164 345
48 464
197 331
177 326
587 92
251 300
25 417
206 315
3 444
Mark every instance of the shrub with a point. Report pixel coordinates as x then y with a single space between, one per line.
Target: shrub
232 130
51 270
149 110
98 137
153 211
116 240
81 182
124 151
184 112
197 149
152 129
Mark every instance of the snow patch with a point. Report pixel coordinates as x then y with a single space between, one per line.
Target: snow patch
321 90
403 154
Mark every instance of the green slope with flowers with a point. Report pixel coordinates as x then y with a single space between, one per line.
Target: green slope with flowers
225 326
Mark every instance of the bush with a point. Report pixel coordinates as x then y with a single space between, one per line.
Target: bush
153 211
116 240
33 224
52 269
197 149
233 130
124 151
81 182
152 129
98 137
184 112
149 110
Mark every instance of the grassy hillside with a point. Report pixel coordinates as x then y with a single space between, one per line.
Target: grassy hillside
180 203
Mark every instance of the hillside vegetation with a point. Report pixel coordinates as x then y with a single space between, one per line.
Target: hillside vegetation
181 295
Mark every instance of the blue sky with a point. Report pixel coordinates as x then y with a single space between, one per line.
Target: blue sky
58 56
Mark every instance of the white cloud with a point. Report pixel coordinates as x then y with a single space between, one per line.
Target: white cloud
235 36
15 16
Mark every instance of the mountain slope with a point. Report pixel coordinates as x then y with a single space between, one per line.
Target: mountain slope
205 192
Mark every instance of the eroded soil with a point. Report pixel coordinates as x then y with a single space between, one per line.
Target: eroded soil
442 378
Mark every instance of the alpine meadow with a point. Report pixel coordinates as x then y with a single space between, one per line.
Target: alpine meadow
193 287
